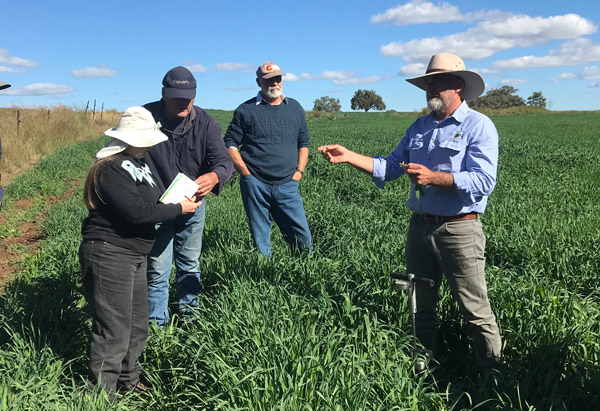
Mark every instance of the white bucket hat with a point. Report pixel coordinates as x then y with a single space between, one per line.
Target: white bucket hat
136 128
446 63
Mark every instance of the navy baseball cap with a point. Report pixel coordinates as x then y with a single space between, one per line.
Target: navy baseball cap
179 82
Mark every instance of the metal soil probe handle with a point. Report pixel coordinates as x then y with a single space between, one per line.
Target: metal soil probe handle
407 282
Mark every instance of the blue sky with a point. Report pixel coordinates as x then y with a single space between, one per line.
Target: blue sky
72 52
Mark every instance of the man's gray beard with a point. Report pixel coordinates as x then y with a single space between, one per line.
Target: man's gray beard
436 104
273 92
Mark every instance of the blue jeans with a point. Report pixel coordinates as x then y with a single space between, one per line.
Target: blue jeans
114 281
180 239
283 203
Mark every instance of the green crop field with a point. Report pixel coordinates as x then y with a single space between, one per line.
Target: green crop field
329 331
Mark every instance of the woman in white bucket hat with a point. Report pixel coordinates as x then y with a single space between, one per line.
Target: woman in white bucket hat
118 233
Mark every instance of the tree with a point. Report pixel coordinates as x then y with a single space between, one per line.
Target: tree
327 104
498 98
366 100
536 99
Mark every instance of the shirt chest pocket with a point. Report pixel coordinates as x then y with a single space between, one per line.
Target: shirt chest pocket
449 154
453 144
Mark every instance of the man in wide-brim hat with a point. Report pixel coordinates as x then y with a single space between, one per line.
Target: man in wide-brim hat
450 157
3 85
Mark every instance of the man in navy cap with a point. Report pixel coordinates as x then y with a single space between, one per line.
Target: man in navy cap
195 148
2 87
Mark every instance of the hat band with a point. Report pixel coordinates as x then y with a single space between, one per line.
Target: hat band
155 127
438 71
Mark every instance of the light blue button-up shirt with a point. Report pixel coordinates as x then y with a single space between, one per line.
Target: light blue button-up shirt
464 144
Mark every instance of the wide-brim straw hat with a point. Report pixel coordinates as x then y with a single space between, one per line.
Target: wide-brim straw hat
446 63
136 128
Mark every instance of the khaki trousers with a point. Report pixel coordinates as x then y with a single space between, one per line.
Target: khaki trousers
456 250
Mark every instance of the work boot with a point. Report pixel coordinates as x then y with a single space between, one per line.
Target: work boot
137 388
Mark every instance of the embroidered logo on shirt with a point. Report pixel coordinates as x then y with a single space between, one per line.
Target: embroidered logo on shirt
138 173
458 133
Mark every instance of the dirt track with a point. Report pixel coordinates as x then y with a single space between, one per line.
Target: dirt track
27 241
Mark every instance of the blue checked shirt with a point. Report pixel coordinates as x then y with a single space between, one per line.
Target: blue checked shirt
464 144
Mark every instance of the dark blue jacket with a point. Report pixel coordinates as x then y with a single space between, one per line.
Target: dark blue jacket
200 150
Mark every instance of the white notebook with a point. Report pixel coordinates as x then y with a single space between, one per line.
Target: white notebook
181 188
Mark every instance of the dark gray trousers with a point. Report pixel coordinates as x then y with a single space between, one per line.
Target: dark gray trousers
114 280
456 250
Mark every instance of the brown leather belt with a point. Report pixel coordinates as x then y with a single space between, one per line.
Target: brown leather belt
440 219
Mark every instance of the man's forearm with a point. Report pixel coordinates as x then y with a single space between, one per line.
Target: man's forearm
302 158
238 163
361 162
443 180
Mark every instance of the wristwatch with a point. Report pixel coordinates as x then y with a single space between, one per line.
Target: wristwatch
300 171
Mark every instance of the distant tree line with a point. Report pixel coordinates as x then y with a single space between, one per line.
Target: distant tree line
366 100
362 100
327 104
505 97
496 99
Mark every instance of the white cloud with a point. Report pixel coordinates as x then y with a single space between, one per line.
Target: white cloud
231 66
338 77
90 72
4 69
563 77
523 27
591 73
513 81
196 68
493 35
413 69
357 80
418 12
15 61
40 89
291 77
570 53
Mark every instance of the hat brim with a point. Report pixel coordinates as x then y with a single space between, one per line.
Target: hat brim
271 75
4 85
474 84
113 147
137 138
187 93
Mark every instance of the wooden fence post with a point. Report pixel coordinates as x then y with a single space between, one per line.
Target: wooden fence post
94 112
102 110
86 106
18 120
